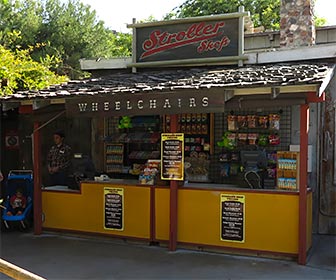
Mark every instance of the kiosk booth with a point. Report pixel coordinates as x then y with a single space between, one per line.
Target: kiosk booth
197 154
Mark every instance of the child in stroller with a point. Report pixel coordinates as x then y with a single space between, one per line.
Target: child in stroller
18 204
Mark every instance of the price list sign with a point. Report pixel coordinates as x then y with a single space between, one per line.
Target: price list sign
172 153
232 217
114 208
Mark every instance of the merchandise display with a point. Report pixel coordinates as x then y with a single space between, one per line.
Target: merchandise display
248 131
287 170
197 147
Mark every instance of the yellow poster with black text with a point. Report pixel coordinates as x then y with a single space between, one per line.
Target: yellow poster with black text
232 214
172 156
114 209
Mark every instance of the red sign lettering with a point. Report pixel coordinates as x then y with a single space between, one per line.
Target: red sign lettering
202 32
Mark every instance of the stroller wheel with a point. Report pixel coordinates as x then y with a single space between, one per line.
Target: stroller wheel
5 226
24 225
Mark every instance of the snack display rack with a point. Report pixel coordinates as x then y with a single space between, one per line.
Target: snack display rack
114 157
287 170
198 146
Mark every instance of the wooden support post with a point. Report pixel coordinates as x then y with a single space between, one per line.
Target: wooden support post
152 215
304 128
173 199
37 180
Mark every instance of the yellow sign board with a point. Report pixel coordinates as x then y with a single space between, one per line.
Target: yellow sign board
114 209
232 214
172 156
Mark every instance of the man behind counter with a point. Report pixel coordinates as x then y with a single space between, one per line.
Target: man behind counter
59 160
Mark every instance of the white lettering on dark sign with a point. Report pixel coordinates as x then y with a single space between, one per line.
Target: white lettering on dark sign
139 104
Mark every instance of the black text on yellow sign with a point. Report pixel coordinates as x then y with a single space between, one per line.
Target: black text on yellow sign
172 156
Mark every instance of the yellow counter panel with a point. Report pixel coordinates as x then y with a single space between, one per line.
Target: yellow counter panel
271 219
84 211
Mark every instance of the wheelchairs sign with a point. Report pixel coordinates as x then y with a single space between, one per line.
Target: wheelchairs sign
232 213
114 209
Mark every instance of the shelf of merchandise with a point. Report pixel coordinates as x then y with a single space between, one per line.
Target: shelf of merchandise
288 170
114 157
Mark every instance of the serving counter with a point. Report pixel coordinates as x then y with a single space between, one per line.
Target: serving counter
83 210
268 219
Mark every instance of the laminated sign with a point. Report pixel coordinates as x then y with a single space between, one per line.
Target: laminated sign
172 156
232 222
114 208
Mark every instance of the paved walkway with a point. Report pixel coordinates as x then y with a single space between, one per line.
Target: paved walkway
67 257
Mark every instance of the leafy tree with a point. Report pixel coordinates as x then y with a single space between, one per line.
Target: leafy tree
263 12
19 71
68 31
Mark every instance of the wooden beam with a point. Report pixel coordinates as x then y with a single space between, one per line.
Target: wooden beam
37 180
190 61
261 103
304 128
7 106
173 198
283 89
57 101
38 104
229 94
313 98
275 92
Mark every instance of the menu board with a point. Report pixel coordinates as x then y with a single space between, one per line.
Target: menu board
114 208
172 149
232 217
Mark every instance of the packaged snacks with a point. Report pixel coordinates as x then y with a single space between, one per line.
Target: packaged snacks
232 139
232 123
234 168
199 118
252 138
204 118
274 121
235 156
274 139
263 122
225 170
204 129
263 140
206 147
224 157
242 138
252 121
188 118
242 121
271 172
193 129
198 128
228 141
183 118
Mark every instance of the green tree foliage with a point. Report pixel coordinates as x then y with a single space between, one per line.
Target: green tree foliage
69 30
18 71
263 12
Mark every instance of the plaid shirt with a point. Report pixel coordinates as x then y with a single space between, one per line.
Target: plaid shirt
59 156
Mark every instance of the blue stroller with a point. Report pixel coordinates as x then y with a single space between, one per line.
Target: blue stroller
19 180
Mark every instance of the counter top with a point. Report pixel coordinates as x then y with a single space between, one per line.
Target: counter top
132 182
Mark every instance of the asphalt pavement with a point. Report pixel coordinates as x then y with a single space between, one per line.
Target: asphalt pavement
56 256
